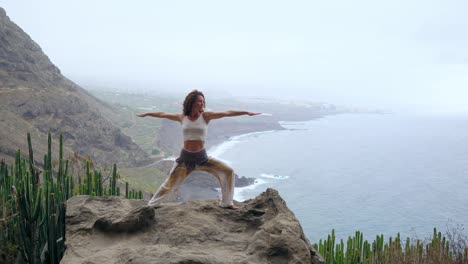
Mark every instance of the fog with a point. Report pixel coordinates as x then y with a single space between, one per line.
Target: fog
399 55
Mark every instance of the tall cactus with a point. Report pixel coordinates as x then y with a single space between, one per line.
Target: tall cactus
359 251
126 189
29 202
32 216
114 180
8 227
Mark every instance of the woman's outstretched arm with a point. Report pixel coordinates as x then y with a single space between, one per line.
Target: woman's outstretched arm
216 115
170 116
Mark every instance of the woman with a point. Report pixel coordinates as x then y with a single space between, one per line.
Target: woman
193 156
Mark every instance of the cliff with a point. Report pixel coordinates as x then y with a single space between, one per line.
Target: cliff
35 97
115 230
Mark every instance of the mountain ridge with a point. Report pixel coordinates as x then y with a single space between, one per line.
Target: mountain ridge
35 97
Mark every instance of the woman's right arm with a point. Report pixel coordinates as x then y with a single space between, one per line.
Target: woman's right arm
174 117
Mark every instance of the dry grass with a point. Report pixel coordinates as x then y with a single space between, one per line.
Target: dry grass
143 178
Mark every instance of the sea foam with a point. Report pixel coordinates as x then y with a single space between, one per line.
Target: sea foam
274 176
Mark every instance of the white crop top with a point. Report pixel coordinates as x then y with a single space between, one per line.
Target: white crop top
194 130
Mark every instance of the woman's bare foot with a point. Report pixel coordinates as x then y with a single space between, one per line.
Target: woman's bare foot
232 207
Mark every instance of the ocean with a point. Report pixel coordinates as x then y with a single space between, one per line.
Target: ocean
376 173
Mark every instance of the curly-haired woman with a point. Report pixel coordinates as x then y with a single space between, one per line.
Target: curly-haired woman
193 156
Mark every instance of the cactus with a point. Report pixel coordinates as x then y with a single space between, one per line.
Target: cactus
88 189
126 189
29 217
114 180
358 250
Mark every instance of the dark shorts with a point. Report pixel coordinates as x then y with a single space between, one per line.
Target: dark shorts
191 159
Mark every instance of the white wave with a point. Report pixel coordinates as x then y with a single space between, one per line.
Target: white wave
252 134
294 124
218 150
145 108
239 191
274 176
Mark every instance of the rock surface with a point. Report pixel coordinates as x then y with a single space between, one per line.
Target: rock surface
115 230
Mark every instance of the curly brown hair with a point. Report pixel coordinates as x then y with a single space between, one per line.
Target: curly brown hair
190 100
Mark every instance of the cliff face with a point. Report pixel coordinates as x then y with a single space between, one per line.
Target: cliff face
114 230
35 97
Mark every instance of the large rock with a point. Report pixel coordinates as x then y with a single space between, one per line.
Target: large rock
115 230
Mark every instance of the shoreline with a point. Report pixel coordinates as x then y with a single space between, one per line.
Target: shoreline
223 146
222 133
221 137
197 186
216 150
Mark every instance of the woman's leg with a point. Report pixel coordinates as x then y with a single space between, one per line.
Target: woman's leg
225 176
176 177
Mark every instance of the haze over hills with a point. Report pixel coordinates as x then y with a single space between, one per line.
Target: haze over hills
35 97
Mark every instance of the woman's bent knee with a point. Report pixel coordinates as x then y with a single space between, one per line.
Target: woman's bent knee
229 172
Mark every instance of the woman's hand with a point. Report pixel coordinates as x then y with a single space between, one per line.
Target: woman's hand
142 114
252 113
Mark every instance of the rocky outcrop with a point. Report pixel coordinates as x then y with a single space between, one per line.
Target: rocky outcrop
35 97
115 230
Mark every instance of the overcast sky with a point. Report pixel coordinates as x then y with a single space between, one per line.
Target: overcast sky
365 53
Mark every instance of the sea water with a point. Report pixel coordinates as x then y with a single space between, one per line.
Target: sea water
377 173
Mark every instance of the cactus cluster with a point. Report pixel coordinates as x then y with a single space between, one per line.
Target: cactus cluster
132 194
358 250
32 223
9 235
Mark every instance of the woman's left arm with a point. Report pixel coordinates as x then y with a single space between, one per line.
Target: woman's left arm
217 115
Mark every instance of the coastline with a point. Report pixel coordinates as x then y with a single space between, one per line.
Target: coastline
222 135
170 136
216 150
200 185
222 130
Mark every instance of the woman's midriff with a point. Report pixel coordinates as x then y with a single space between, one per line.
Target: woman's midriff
194 145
